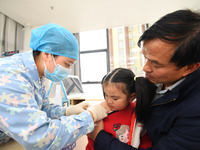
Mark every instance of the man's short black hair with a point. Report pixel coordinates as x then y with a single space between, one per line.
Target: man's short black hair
182 28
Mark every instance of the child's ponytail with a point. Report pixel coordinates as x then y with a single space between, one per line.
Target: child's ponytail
145 91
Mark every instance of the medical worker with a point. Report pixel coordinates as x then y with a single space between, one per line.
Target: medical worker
26 114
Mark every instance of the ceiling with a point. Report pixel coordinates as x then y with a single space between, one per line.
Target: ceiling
84 15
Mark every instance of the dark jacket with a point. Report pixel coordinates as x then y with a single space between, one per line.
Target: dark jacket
173 121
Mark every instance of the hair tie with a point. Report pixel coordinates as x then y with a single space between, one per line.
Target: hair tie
135 78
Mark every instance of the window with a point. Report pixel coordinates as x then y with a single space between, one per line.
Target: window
121 62
130 35
120 29
121 53
100 54
94 61
93 40
93 66
131 43
130 56
121 45
121 36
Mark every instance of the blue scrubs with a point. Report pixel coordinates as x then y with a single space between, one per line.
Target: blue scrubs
26 114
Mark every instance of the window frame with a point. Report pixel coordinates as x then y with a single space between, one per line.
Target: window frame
97 51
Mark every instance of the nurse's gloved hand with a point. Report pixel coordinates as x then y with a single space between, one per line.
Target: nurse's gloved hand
77 109
98 112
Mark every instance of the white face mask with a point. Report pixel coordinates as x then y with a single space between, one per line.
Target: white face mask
58 74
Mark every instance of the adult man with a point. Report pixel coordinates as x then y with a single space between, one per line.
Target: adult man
172 49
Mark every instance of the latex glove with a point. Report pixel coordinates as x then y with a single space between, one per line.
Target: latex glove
98 111
77 109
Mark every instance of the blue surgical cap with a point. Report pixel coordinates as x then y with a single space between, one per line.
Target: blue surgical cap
54 39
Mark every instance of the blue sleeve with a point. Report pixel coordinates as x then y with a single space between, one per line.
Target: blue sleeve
22 118
53 111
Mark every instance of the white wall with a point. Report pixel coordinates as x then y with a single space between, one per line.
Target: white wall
27 37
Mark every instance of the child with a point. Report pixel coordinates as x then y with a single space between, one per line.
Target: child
120 88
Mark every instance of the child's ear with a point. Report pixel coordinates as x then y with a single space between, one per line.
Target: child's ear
132 97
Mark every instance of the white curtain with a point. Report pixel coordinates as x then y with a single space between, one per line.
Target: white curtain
76 66
11 35
10 30
2 29
19 40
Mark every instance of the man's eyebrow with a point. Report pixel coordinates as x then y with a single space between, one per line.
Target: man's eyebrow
154 61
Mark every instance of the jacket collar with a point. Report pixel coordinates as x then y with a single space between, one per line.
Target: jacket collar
160 92
184 88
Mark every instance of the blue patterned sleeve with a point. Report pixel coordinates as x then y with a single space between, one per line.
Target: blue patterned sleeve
22 118
53 111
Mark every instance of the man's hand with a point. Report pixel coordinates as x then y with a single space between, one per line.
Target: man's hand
98 127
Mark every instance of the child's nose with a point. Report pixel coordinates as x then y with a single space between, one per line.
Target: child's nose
109 100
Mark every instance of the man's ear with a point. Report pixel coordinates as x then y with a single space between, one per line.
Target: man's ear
132 97
191 68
